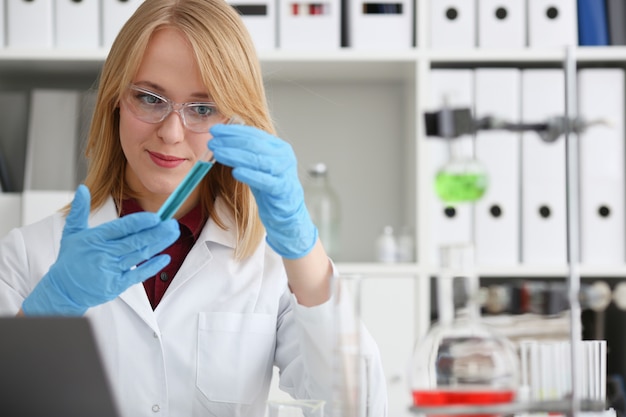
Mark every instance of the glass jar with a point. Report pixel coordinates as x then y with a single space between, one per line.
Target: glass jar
323 204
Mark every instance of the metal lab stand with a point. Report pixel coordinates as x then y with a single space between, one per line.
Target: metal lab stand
451 123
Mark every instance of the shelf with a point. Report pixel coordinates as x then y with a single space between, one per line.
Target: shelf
548 57
521 271
340 64
380 269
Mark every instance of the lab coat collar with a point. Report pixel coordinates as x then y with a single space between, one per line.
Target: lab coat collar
213 233
200 254
135 297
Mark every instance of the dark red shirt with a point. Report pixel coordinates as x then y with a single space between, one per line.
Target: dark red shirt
191 225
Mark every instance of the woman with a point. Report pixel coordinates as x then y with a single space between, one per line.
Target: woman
237 282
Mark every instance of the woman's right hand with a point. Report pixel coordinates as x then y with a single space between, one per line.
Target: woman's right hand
95 265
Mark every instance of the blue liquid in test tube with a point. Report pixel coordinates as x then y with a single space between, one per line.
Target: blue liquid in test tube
186 186
191 180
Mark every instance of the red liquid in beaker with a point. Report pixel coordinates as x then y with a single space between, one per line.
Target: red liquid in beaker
443 398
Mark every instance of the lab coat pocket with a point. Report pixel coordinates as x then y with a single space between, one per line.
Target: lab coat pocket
235 355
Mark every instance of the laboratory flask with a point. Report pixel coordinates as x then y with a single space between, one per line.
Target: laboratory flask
322 201
461 361
462 178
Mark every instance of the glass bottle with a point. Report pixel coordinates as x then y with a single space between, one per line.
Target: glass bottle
323 204
461 361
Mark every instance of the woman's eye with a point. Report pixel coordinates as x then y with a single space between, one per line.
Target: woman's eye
204 110
149 98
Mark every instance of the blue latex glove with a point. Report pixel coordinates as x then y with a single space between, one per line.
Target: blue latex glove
268 165
95 265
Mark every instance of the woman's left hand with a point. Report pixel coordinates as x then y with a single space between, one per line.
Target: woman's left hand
269 166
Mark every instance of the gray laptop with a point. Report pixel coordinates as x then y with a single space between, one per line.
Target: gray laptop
50 367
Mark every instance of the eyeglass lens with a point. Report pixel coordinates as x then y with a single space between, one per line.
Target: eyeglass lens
153 108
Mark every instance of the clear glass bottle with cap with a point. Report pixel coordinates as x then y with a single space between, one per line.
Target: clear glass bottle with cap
323 204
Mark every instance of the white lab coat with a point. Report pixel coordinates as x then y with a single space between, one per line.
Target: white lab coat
209 347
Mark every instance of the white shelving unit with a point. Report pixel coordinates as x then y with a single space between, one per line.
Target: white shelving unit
360 112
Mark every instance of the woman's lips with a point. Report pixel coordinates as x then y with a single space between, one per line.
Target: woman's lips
165 161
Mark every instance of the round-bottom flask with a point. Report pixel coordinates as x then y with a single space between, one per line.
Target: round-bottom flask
462 362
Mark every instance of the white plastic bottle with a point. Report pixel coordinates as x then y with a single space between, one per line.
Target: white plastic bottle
406 245
323 204
387 246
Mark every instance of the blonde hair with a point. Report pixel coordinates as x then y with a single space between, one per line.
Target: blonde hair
231 72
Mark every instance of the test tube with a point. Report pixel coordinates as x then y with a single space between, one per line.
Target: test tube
190 182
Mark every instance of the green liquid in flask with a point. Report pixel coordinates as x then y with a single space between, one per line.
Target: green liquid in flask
460 187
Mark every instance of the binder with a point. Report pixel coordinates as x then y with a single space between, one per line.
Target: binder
544 222
453 24
87 106
616 13
496 215
307 25
77 24
3 23
52 137
450 224
552 23
602 182
14 110
501 24
29 24
593 27
10 212
114 14
259 16
380 24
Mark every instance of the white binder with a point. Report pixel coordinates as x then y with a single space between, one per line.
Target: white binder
259 16
602 184
381 24
544 221
10 212
453 24
52 138
29 24
496 214
501 24
114 14
309 25
87 106
449 225
3 23
77 24
552 23
14 113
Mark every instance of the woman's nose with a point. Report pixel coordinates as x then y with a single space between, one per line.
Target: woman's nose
172 128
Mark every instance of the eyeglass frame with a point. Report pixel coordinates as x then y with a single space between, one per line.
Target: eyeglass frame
172 106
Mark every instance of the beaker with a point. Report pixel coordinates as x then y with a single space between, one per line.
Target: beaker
350 371
461 361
